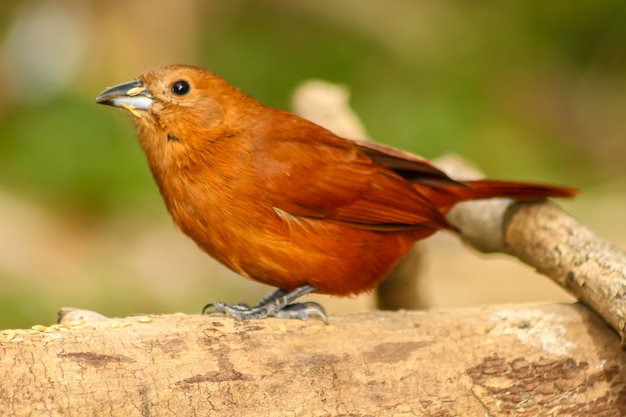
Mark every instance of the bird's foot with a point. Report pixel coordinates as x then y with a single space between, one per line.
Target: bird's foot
300 311
277 304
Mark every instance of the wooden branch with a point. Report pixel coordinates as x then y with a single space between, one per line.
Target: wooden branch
534 360
559 246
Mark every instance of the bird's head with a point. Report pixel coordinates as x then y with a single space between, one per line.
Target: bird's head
172 96
179 108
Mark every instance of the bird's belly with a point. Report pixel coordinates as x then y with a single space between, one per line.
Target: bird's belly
334 258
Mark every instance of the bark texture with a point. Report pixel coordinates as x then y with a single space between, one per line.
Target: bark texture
534 360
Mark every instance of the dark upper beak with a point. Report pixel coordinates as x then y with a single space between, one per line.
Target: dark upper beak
132 95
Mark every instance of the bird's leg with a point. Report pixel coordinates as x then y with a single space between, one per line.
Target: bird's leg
245 307
276 304
274 295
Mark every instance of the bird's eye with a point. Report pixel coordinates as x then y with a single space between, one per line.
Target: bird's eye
180 88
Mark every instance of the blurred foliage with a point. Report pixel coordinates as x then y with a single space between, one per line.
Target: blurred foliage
533 89
69 153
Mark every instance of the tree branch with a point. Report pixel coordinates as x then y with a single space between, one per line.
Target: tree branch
544 236
539 360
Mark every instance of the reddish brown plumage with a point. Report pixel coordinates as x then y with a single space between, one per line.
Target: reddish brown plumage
281 200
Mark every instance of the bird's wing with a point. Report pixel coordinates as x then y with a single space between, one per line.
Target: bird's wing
308 171
411 167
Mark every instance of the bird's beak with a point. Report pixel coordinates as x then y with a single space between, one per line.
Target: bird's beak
131 96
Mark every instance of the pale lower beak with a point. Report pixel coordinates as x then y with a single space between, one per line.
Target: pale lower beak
131 96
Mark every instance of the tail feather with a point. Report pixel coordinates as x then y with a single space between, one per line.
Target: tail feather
446 196
517 190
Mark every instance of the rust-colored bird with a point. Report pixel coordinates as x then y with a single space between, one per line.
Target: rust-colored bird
281 200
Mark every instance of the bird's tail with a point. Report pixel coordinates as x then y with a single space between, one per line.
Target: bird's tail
446 196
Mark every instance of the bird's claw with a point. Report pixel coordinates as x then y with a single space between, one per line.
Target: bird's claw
277 304
300 311
303 311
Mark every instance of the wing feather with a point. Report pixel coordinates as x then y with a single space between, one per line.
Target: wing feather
308 171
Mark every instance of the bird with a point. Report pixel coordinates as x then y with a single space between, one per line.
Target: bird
283 201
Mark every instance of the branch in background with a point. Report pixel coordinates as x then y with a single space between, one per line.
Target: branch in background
559 246
550 240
